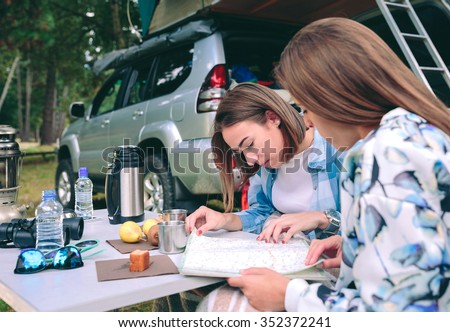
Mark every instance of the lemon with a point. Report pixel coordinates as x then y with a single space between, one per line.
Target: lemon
149 223
130 232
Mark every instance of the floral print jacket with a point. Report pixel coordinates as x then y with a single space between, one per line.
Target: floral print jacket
395 199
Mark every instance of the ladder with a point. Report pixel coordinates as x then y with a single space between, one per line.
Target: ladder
421 36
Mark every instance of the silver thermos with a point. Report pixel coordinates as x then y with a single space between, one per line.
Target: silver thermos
124 186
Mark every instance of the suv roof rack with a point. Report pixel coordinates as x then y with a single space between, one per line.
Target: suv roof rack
191 31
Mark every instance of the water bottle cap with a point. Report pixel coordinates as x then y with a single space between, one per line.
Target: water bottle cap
46 194
83 172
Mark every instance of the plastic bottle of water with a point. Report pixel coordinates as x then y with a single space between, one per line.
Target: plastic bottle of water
83 195
49 223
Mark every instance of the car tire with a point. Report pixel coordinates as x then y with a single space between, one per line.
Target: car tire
159 186
65 184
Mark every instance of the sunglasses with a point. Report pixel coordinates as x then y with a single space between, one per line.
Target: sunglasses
32 260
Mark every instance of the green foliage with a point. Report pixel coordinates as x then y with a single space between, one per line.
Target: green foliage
61 34
37 174
8 113
4 307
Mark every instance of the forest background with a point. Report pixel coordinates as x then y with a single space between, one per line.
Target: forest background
48 48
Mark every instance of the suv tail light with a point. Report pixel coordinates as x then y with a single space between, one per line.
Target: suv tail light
212 90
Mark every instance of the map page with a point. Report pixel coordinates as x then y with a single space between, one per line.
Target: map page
225 257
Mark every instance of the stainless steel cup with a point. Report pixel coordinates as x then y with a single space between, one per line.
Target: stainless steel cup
174 214
172 236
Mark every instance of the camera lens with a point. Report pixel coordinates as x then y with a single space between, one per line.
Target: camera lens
24 238
6 230
76 226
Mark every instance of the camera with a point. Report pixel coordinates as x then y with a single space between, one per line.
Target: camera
22 232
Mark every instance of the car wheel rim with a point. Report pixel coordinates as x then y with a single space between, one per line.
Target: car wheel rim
64 188
153 193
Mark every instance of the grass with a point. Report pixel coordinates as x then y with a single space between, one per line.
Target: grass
37 175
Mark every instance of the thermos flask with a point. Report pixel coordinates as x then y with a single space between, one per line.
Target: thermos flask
124 186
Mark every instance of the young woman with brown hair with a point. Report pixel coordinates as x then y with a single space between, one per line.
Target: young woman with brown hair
292 170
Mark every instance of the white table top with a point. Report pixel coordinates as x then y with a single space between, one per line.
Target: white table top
79 290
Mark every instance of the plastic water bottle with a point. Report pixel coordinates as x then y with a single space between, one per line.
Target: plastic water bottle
83 195
49 223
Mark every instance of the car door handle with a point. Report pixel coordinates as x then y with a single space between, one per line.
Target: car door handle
104 123
137 113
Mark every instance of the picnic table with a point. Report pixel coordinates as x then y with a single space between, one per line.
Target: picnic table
78 289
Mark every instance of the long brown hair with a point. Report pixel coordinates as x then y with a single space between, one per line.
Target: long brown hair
250 102
342 71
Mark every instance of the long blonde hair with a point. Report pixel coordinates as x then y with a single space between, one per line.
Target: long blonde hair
342 71
250 102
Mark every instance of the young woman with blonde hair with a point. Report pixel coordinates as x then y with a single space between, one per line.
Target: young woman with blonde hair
394 253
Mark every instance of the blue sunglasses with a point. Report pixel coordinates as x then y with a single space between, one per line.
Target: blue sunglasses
69 257
33 260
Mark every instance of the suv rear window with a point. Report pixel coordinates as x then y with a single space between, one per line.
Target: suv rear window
253 60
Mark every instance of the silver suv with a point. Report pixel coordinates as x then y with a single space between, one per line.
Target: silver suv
164 93
162 97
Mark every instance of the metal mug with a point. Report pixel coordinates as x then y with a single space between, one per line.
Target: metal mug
172 237
174 214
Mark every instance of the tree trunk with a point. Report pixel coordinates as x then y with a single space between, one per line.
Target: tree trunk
117 27
28 91
19 102
47 123
60 117
8 81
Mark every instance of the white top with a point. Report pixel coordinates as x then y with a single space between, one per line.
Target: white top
293 188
